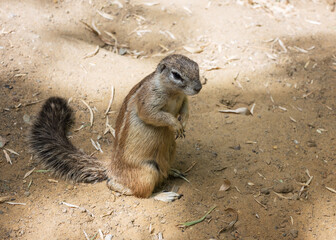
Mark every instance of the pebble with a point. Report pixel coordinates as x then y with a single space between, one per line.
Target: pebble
265 191
27 194
64 210
283 187
3 141
294 233
108 237
122 51
26 118
311 144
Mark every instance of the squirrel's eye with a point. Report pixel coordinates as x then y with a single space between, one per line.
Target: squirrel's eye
177 76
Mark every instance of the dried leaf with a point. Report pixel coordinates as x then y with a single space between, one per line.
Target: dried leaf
225 186
7 157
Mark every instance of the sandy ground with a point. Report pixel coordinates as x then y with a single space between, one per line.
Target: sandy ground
280 161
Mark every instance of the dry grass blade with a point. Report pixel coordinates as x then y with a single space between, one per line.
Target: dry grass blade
282 45
110 43
92 53
95 28
264 206
111 101
90 28
300 49
188 224
282 196
94 144
91 112
3 141
16 203
28 173
307 183
32 103
7 157
119 4
242 110
252 108
105 15
69 205
232 223
101 235
193 49
80 208
331 189
312 22
109 128
52 180
151 4
99 147
292 119
86 236
189 168
12 151
107 214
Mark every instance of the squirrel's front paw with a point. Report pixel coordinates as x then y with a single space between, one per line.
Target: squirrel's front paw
183 118
178 129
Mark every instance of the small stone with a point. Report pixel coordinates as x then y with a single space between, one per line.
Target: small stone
311 143
163 221
1 212
99 137
3 141
64 210
294 233
122 51
26 118
108 237
265 191
283 187
268 161
27 194
236 147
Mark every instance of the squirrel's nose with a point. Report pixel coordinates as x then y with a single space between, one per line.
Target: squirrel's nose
198 88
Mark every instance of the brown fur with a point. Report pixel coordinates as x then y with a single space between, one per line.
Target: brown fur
144 147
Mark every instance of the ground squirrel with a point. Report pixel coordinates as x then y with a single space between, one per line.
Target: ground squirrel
152 116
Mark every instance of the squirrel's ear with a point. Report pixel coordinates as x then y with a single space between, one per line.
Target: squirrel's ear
161 67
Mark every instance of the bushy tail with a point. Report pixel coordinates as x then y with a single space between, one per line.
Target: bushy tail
51 146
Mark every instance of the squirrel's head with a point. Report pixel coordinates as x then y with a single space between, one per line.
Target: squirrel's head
181 73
